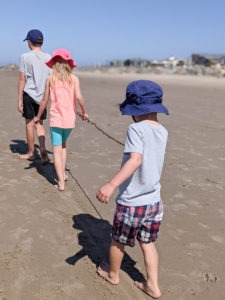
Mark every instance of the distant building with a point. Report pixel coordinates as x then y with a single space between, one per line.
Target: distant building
207 60
172 62
222 60
116 63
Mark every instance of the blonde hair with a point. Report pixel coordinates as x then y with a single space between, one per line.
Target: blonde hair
61 71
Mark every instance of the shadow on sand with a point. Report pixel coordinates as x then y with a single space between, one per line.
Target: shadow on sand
95 238
20 147
46 170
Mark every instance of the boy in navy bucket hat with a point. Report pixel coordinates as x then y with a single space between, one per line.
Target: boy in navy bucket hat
143 97
139 208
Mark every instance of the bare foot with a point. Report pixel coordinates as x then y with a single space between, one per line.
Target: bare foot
60 187
154 293
103 271
65 177
44 158
27 156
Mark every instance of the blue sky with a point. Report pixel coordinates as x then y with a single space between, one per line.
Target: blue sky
99 31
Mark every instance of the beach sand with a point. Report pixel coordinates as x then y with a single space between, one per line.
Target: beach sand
51 241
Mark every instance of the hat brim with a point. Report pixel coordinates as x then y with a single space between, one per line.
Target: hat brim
51 62
144 109
26 39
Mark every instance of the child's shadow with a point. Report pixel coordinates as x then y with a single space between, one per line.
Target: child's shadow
95 239
45 170
20 147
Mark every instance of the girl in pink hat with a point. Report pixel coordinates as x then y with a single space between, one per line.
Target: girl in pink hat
63 90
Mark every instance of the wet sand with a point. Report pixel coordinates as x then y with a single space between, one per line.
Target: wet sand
51 241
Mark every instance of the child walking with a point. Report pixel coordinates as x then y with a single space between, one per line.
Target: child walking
139 208
31 87
63 90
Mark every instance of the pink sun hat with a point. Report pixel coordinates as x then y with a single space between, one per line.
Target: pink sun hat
64 54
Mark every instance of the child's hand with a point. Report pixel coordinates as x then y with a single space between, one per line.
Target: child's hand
105 192
20 107
84 116
36 119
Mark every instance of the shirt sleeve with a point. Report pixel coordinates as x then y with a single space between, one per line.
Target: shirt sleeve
21 64
134 141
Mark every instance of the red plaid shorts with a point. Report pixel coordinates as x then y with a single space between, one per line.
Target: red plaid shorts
141 222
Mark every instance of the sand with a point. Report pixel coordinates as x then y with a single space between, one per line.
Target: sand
51 241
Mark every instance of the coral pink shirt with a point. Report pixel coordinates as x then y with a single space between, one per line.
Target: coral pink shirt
63 105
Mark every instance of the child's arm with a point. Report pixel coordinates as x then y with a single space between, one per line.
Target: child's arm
79 98
44 101
128 169
21 84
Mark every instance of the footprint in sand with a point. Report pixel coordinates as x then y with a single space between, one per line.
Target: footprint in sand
179 206
17 233
179 195
218 239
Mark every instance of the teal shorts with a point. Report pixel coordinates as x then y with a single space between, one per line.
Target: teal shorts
59 135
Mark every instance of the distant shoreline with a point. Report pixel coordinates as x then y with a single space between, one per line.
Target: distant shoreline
193 71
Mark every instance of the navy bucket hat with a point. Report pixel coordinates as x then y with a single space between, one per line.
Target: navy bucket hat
143 97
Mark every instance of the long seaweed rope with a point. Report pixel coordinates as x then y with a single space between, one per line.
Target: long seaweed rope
75 179
101 130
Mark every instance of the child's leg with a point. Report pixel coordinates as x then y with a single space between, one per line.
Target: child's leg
40 134
59 167
111 272
30 140
150 286
64 159
41 138
65 134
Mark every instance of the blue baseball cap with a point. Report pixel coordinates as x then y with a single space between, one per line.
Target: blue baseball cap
143 97
35 36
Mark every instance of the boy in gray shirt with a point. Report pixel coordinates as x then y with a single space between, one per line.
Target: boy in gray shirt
139 208
31 87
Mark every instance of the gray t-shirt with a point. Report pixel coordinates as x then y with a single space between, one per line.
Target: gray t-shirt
32 64
143 187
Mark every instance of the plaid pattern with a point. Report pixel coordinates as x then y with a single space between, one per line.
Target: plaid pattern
142 222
